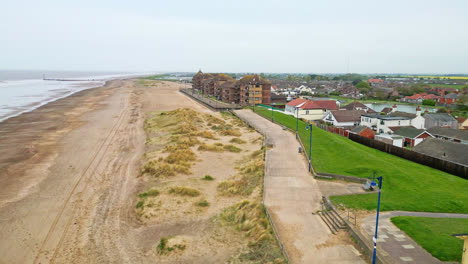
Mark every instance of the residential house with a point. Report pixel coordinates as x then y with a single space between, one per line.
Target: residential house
394 140
417 120
387 110
375 82
462 123
455 135
344 118
419 98
450 98
412 136
310 110
439 120
363 131
357 106
443 149
383 123
278 99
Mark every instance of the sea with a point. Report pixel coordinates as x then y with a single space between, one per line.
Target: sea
24 91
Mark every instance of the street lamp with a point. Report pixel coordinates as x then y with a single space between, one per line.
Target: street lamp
373 183
309 127
272 105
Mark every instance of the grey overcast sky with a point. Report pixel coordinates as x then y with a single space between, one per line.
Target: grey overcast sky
409 36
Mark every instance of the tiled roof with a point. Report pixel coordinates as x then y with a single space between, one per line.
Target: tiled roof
375 81
402 114
319 104
355 105
348 115
443 149
409 132
386 110
358 129
441 117
449 133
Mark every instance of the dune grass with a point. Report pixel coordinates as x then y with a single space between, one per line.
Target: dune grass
208 178
237 141
184 191
250 176
250 218
407 185
435 234
232 148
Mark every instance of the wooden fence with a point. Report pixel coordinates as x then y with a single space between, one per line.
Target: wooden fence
433 162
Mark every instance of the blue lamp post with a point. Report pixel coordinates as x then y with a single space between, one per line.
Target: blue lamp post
309 127
377 219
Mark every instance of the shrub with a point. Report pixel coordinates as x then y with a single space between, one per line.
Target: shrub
232 148
140 204
212 147
237 140
184 191
202 203
207 178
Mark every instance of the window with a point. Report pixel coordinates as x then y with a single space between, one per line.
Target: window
307 112
256 98
398 122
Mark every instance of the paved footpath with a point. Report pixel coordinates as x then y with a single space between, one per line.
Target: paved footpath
292 195
395 245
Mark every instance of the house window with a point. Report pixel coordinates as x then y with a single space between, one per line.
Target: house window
307 112
256 98
398 122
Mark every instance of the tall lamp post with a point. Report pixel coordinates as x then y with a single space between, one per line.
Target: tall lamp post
272 105
377 219
309 127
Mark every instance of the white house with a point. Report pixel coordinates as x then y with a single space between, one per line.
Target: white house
382 123
310 110
344 118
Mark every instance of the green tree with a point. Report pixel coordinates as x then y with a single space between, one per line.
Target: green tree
290 78
428 102
308 78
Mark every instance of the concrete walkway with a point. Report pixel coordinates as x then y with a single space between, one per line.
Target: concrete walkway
394 244
292 196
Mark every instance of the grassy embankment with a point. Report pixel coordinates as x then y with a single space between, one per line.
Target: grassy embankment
176 135
435 234
407 185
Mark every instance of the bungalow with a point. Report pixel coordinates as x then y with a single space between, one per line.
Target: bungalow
310 110
357 106
443 149
455 135
363 131
418 98
439 120
344 118
417 120
412 136
382 123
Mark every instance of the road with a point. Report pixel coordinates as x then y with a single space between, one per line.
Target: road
292 196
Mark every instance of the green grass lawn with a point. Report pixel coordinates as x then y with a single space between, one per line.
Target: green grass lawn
407 185
435 234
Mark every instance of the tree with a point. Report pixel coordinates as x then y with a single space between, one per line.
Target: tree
362 85
308 78
290 78
428 102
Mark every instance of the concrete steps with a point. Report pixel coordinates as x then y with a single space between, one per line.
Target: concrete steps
332 220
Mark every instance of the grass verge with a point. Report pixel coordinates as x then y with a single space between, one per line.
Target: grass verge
435 234
407 185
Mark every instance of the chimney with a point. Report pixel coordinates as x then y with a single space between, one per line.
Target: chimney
394 108
426 111
418 111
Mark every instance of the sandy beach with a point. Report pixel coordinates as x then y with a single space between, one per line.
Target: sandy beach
68 175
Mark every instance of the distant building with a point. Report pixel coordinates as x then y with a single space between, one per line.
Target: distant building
382 123
412 136
363 131
440 120
462 123
443 149
310 110
455 135
358 106
344 118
